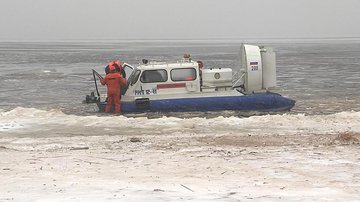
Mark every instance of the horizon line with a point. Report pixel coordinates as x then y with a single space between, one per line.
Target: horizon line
179 39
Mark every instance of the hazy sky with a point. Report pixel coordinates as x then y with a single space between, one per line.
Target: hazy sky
148 19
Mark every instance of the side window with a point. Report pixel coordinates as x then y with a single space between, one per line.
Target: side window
186 74
153 76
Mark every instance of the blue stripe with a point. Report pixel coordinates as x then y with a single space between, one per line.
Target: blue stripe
254 102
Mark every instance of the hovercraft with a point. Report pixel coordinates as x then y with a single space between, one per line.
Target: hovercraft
186 86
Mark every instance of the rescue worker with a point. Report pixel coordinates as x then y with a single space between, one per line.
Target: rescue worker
113 81
120 70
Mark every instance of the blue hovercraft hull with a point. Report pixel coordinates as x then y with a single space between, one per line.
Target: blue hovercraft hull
262 102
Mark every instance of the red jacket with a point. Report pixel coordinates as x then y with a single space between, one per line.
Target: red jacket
113 82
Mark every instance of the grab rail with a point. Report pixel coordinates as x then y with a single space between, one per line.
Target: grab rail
95 73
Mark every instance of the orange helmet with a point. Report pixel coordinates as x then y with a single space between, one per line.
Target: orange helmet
117 62
111 68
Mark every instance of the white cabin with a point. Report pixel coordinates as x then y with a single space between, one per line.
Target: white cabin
187 78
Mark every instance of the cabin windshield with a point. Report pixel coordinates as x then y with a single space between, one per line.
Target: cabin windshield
128 70
134 77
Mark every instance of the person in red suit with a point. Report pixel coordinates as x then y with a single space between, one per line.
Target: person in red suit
113 81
